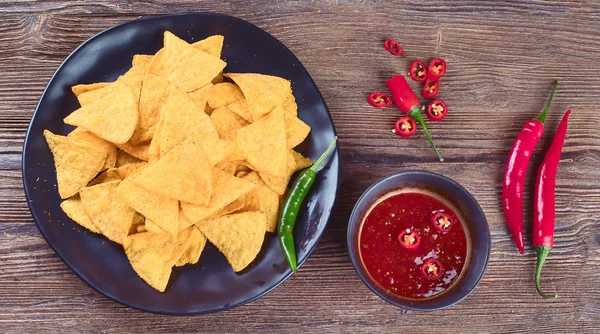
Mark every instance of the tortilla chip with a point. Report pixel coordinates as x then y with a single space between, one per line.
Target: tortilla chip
295 162
222 94
200 96
211 45
226 121
155 91
77 162
233 167
156 66
133 78
218 79
92 95
128 169
254 87
217 150
139 151
268 200
225 189
196 242
106 176
187 67
290 105
80 89
138 224
151 226
242 109
238 236
182 174
150 255
182 118
111 150
263 143
73 208
295 130
161 210
141 60
113 117
124 158
107 211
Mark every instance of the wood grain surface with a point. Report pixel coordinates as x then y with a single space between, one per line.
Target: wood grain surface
502 58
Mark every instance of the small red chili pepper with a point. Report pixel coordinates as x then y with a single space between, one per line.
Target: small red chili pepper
514 173
430 89
443 222
437 69
379 100
437 110
432 269
405 127
544 203
417 71
392 46
408 103
409 239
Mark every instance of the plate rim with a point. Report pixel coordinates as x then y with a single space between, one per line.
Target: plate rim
336 154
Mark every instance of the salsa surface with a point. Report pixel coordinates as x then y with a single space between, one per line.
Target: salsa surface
399 270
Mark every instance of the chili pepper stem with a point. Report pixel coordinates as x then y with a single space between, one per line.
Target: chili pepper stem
542 116
324 156
542 253
416 114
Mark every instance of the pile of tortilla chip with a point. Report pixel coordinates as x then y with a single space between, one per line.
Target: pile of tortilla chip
174 153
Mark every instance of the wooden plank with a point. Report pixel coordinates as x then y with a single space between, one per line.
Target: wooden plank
502 59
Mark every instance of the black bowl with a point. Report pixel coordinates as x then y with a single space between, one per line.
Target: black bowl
467 207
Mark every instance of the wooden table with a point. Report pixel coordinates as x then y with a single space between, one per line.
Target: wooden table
502 58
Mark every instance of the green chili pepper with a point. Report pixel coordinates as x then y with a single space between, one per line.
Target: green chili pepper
291 207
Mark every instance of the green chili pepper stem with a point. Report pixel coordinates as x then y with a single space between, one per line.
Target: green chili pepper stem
415 113
542 253
542 116
324 156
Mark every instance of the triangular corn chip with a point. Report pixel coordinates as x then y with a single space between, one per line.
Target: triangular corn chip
141 60
150 255
268 200
225 189
77 162
86 95
211 45
226 121
74 210
111 216
128 169
295 130
263 92
155 91
139 151
295 162
124 158
80 89
241 108
113 117
156 65
200 96
161 210
196 242
222 94
111 150
238 236
106 176
263 143
182 174
187 67
151 226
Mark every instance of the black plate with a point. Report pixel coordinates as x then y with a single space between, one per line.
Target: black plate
211 285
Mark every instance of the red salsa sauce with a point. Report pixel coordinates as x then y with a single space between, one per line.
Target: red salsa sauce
404 270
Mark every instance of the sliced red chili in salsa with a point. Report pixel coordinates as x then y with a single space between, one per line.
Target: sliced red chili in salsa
437 69
405 127
442 221
379 100
437 110
432 269
409 239
430 89
417 71
392 46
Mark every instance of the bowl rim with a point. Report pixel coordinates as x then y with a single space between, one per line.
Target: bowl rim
354 223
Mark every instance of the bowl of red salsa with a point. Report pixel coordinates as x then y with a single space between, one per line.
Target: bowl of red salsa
419 240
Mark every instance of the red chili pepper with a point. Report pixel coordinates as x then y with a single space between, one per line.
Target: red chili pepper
379 100
430 89
443 222
514 173
437 69
408 103
392 46
543 205
437 110
405 127
417 71
409 239
432 269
